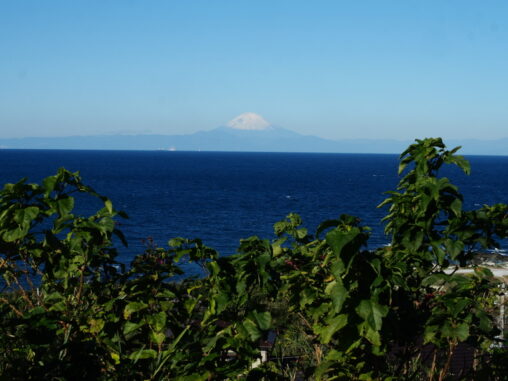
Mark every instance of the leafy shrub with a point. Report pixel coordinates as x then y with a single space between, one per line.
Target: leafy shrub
68 310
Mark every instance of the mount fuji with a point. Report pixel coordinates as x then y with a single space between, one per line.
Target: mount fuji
247 132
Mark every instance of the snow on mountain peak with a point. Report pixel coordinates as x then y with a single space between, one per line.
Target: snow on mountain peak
248 121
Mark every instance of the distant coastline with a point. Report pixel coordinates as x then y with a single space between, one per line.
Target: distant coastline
227 139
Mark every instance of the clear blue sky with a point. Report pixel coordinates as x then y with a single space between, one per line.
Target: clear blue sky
336 69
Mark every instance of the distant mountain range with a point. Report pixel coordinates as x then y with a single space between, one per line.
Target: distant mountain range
247 132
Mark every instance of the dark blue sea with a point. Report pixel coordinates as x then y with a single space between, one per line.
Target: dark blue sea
222 197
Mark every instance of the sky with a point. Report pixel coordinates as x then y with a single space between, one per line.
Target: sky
335 69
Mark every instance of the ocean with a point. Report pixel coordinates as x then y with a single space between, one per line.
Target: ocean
222 197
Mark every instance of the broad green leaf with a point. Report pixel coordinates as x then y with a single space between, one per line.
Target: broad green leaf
15 234
176 242
157 337
106 224
65 205
453 247
277 250
49 184
338 294
318 312
485 321
115 357
456 207
372 312
201 376
455 331
337 267
436 279
251 329
367 376
59 307
25 216
295 219
331 326
371 334
307 296
157 321
280 227
54 297
301 233
457 305
325 225
338 239
130 327
133 307
461 162
190 303
483 272
96 325
430 333
263 319
143 354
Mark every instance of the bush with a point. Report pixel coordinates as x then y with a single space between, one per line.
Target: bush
68 310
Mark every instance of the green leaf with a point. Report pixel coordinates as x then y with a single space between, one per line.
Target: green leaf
157 337
461 162
143 354
372 312
325 225
280 227
371 335
49 184
483 272
366 376
59 307
157 321
108 205
456 207
337 267
337 239
453 247
295 219
457 305
201 376
25 216
333 325
177 242
133 307
301 233
485 321
251 329
402 166
263 319
115 357
338 294
96 325
430 333
130 327
65 205
307 296
15 234
318 312
190 304
435 279
455 331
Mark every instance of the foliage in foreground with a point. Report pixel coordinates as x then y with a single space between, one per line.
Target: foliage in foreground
68 310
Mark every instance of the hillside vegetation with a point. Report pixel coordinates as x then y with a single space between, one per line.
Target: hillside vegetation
322 305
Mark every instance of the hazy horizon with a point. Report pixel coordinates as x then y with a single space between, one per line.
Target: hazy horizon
337 70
